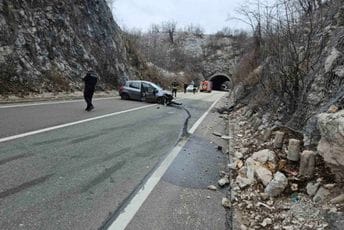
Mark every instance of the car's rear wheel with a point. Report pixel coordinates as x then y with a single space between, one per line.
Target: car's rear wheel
124 96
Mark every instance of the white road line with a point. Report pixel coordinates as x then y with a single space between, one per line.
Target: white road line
70 124
51 103
136 202
199 121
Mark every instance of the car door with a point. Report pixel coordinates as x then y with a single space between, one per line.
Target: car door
149 92
135 90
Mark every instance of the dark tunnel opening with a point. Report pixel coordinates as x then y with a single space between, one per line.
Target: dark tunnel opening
220 82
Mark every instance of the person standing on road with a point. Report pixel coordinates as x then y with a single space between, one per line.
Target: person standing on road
185 86
90 83
194 89
174 88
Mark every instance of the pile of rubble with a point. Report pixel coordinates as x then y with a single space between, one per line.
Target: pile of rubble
275 182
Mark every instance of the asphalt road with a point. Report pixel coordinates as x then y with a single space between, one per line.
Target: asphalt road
74 177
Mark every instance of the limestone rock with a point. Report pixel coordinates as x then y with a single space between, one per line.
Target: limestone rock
338 199
264 156
312 188
278 141
321 195
243 182
307 164
331 59
294 150
51 45
277 185
263 174
332 109
212 187
238 155
217 134
226 202
266 222
223 181
331 145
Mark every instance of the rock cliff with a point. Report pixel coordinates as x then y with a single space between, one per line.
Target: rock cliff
48 45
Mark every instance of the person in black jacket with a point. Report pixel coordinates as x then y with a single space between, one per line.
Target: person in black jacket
90 83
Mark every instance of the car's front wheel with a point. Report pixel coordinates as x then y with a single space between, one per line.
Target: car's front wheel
161 100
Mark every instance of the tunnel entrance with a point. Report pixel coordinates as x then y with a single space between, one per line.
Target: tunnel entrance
221 82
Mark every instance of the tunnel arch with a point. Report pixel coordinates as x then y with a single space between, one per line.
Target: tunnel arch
219 79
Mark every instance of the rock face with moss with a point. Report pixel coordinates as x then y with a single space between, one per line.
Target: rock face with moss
48 45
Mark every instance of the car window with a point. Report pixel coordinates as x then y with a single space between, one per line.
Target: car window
156 86
135 85
146 86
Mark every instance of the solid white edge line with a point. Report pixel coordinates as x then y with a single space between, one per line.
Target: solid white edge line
199 121
70 124
51 103
122 221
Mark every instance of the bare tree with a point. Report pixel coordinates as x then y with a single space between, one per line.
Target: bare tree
170 28
286 42
196 30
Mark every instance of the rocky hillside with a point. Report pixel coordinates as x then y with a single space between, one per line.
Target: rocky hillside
299 78
190 56
48 45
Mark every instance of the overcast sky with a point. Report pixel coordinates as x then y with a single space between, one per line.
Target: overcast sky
211 15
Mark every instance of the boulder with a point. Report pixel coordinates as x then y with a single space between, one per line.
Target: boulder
223 181
263 174
307 164
264 156
321 195
331 59
331 145
243 182
277 185
294 150
338 199
312 188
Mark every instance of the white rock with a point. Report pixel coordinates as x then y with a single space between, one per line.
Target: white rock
265 155
226 137
212 187
266 222
217 134
243 227
312 188
263 174
277 185
238 155
294 187
223 181
338 199
226 202
330 60
329 186
244 150
243 181
321 195
331 144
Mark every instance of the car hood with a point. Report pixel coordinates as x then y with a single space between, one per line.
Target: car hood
163 92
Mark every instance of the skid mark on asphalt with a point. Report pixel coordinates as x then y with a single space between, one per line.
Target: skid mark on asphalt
103 176
86 138
57 140
24 186
13 158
